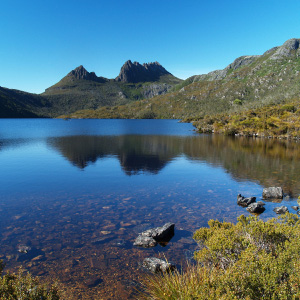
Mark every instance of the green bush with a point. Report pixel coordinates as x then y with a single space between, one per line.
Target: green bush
238 102
24 287
252 259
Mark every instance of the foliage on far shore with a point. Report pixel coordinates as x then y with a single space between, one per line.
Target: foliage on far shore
281 120
249 260
25 287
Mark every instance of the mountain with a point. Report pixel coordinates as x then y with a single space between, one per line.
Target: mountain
249 82
135 72
149 91
81 89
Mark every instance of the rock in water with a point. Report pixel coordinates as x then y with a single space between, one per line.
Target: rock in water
160 233
23 248
145 241
156 265
272 193
281 210
242 201
256 208
150 237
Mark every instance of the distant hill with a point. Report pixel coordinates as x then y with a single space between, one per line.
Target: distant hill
247 83
81 89
18 104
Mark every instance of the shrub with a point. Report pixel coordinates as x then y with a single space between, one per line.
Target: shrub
238 102
252 259
288 107
25 287
147 115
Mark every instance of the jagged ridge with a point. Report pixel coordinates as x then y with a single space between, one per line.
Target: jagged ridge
135 72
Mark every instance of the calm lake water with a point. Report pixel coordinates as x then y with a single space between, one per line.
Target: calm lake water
78 192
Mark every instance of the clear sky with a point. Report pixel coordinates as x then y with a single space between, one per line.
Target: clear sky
42 40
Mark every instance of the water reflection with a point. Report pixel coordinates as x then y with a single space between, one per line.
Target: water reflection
135 153
268 162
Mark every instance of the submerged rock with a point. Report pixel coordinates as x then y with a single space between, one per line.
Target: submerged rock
23 248
281 210
92 281
157 265
272 192
256 208
242 201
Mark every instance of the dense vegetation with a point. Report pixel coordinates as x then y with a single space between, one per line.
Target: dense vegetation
269 121
25 287
250 260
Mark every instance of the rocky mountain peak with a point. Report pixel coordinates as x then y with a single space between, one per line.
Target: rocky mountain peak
134 72
81 73
289 49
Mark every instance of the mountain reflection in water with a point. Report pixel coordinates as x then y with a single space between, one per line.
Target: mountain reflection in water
267 161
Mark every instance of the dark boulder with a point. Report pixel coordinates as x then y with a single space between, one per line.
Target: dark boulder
160 233
256 208
242 201
151 237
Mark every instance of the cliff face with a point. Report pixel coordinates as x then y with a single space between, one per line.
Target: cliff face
135 72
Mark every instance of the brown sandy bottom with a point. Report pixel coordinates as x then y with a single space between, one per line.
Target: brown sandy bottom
85 244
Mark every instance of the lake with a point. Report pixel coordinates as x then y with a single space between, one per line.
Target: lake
78 192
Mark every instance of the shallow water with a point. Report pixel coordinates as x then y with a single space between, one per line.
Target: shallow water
78 192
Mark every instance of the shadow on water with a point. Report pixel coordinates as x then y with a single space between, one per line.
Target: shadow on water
266 161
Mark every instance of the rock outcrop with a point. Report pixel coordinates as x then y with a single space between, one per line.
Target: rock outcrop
133 72
151 90
288 49
221 74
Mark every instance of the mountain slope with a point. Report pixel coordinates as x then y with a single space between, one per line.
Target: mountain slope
18 104
247 83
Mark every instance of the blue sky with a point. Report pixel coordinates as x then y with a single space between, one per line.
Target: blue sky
41 41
